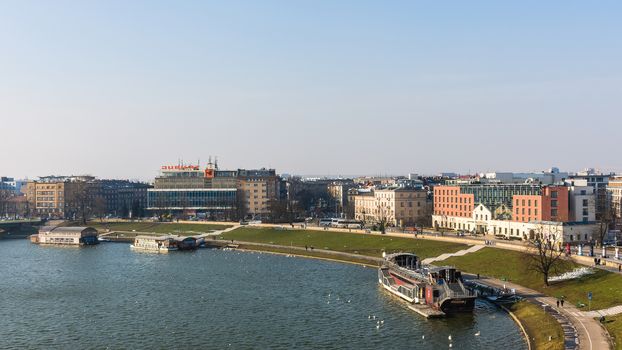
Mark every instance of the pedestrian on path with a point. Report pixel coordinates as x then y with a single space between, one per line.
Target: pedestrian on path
557 302
562 302
619 268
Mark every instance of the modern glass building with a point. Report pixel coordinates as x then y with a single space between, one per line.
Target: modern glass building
198 199
493 195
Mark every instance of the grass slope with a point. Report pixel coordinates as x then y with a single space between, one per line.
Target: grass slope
539 326
614 327
157 227
364 244
606 287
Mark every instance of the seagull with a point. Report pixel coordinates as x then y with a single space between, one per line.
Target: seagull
449 337
423 337
478 333
369 317
348 300
377 326
450 345
382 322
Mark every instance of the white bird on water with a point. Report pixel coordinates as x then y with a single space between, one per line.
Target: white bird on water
382 322
423 337
478 333
450 345
449 337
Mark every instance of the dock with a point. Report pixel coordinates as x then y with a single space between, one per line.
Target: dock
426 311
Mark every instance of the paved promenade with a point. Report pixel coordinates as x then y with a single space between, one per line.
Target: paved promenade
589 333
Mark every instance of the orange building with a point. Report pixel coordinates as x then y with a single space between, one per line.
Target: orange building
449 201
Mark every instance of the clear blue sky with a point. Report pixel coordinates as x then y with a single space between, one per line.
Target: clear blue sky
118 88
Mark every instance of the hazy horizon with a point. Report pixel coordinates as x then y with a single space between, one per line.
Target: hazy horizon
116 89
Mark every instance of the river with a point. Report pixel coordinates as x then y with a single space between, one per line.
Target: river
109 296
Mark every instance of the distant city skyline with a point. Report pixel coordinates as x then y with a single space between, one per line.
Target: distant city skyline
116 89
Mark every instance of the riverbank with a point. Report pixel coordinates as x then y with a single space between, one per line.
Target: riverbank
538 326
353 243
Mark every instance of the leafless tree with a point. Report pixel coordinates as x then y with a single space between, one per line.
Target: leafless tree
607 218
546 254
5 196
382 219
81 201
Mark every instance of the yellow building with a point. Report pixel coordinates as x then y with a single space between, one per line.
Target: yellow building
258 188
397 206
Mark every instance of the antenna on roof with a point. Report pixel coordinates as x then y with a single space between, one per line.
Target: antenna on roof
216 162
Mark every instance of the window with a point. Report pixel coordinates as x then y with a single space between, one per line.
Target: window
553 212
585 202
554 203
553 194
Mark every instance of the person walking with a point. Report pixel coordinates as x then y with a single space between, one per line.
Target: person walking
619 268
557 302
562 302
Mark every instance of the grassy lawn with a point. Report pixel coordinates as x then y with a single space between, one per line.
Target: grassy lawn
539 326
614 327
371 245
157 227
606 287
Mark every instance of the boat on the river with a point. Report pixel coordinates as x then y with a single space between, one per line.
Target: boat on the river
430 290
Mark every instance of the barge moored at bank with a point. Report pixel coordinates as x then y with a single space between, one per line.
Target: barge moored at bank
76 236
164 244
429 290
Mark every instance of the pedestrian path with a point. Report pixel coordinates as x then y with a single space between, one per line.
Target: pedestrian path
580 330
217 233
612 311
449 255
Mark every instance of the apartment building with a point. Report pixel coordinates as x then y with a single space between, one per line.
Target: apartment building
397 206
516 210
52 196
258 188
614 194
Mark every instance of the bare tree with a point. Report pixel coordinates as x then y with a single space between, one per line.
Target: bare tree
81 201
382 219
546 255
5 196
607 217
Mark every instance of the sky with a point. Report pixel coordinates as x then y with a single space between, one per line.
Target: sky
116 89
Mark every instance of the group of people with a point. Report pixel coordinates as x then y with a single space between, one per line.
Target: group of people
560 302
489 242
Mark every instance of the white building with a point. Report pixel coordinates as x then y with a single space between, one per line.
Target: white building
581 201
482 222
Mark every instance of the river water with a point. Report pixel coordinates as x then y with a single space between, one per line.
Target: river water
108 296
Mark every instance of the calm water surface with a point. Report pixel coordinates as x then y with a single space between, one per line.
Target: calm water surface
111 297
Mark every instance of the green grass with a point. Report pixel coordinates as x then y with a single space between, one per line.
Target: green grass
364 244
614 327
606 287
157 227
539 325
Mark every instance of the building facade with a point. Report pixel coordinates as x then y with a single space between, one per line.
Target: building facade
223 194
599 182
124 198
55 196
614 195
516 210
395 206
